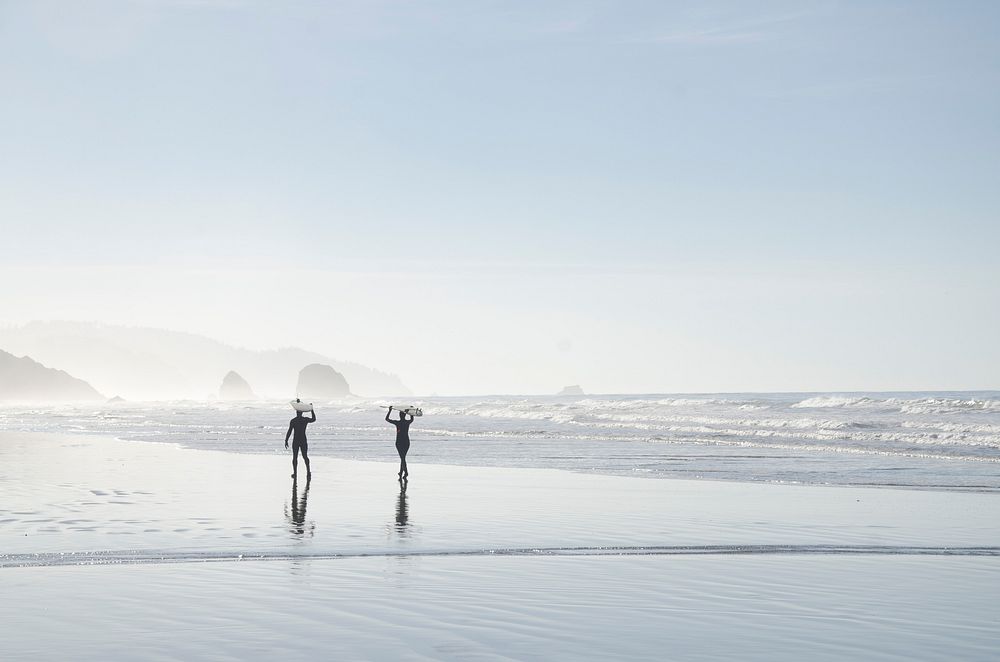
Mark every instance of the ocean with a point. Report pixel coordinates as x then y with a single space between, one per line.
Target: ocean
928 440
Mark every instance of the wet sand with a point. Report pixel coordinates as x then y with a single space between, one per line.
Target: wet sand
130 550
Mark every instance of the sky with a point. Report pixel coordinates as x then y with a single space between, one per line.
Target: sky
511 197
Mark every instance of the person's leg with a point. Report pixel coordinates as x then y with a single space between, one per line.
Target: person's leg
402 457
402 461
305 458
295 460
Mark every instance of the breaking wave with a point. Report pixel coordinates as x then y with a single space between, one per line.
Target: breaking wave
155 557
943 439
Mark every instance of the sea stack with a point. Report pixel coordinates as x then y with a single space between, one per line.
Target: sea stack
571 390
317 381
234 387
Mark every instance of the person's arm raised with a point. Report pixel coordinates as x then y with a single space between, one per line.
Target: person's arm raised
387 415
313 412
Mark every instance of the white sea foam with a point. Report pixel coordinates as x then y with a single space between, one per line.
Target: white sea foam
934 439
836 401
931 405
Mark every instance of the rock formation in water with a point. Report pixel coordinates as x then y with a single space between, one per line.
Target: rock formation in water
235 387
26 379
318 381
571 390
153 364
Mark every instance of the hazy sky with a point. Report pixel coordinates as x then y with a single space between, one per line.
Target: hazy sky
493 197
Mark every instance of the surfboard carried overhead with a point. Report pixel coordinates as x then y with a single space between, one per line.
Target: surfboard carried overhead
298 405
412 411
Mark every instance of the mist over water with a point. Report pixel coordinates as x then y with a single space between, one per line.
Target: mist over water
940 440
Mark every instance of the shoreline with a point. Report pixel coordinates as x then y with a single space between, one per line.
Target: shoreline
139 558
99 492
165 551
935 443
977 489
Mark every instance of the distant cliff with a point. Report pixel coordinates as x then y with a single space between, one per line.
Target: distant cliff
235 387
26 379
571 390
154 364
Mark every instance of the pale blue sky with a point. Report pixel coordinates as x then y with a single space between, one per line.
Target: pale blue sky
637 196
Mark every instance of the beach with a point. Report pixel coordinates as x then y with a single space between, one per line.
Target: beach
132 550
676 321
935 440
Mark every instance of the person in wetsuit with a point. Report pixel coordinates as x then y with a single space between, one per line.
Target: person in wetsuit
298 426
402 440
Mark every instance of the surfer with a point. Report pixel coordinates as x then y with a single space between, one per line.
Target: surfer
298 426
402 439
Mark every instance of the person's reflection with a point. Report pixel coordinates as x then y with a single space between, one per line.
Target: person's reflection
297 516
401 514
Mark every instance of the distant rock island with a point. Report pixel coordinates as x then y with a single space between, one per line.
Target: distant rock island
26 379
571 390
235 387
155 364
317 381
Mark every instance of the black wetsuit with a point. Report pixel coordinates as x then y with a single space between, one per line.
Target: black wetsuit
297 427
402 434
402 440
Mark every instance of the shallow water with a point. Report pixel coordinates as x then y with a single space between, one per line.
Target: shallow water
943 440
129 550
747 608
79 500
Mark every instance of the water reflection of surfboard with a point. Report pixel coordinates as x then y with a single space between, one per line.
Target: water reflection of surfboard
412 411
298 405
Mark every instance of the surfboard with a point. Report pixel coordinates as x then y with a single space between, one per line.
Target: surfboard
298 405
412 411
